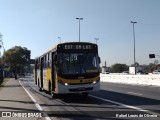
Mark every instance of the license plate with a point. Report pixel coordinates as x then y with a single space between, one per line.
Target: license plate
81 88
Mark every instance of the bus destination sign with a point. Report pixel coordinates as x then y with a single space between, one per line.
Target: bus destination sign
78 47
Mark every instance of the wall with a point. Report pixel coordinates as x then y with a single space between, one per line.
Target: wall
132 79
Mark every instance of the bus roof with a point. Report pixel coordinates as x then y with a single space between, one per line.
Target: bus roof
54 47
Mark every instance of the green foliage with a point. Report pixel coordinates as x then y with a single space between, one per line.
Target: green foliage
151 67
2 83
15 59
119 68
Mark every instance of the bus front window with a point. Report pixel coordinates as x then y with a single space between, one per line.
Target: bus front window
77 63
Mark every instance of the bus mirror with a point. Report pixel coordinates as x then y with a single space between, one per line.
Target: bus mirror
99 59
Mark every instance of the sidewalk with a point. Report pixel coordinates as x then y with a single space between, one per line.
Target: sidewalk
14 98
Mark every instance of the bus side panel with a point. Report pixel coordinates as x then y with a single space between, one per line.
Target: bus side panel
45 82
48 77
53 72
35 76
38 77
49 74
56 84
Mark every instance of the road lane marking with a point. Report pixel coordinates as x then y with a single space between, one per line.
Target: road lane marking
125 105
133 93
35 102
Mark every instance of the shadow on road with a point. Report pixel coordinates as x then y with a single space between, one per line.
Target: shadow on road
8 86
18 101
18 109
1 80
126 98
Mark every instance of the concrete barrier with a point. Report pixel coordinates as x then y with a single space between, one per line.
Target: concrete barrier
131 79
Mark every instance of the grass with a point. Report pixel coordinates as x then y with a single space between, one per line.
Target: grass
3 83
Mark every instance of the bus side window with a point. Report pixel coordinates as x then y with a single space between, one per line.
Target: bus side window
38 64
44 62
49 58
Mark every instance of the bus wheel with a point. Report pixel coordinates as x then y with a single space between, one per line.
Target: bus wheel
53 95
85 94
40 89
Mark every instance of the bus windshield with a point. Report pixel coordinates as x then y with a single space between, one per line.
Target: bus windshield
77 63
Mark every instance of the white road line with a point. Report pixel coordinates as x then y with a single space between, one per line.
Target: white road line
133 93
127 106
36 104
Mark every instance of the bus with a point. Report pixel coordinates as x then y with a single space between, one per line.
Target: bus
72 67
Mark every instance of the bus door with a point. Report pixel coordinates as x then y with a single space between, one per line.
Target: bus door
41 73
53 72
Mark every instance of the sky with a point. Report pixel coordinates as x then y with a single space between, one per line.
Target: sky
37 24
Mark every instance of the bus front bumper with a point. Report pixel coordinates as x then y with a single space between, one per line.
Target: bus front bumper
78 88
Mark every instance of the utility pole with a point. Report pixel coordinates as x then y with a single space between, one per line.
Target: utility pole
134 45
134 42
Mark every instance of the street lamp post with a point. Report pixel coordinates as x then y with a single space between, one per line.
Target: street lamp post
96 39
79 26
134 42
1 44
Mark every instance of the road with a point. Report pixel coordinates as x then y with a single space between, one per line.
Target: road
111 101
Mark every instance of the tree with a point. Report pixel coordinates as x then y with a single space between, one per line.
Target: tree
118 68
16 59
156 62
136 64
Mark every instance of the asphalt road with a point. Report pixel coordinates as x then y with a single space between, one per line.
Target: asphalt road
113 101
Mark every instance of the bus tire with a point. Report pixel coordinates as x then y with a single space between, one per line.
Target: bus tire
40 89
85 94
53 95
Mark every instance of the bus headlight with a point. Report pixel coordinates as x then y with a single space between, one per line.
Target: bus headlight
94 82
65 84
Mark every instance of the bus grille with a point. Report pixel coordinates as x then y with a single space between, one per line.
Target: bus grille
80 89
